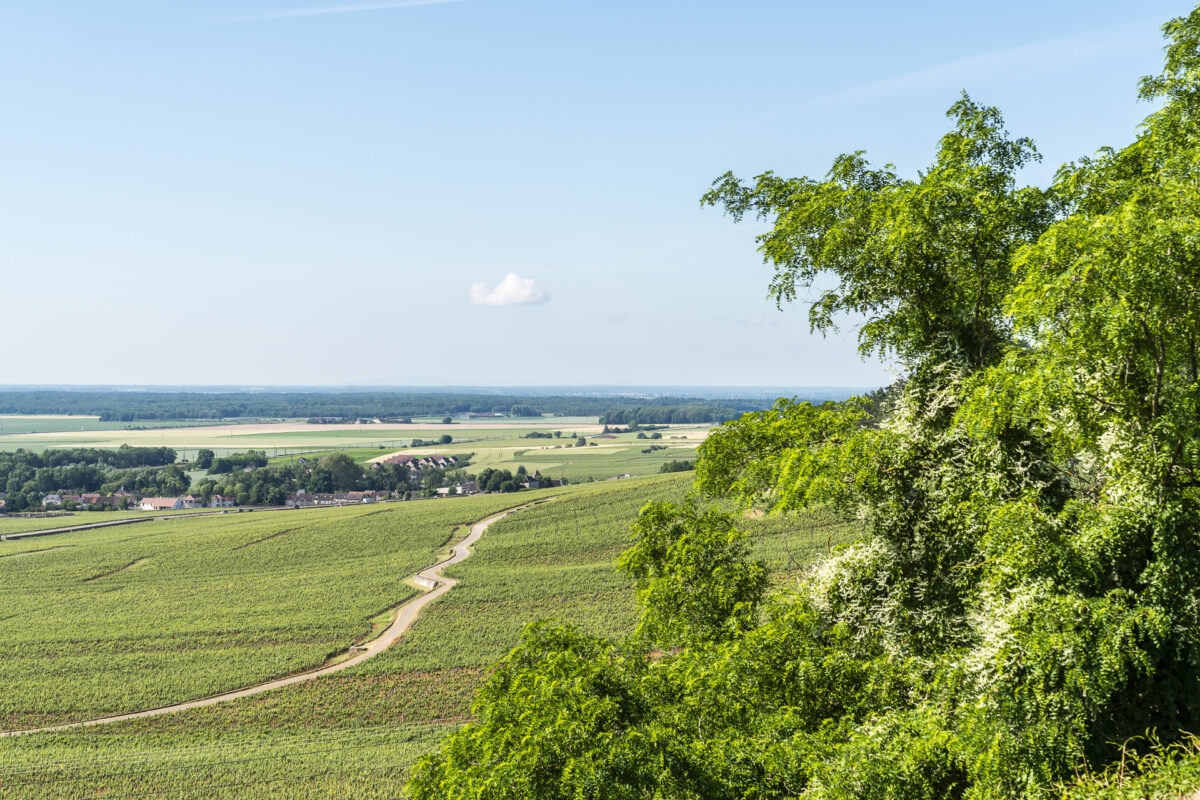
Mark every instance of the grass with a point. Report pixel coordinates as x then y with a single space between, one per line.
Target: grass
67 519
13 424
359 455
113 620
354 733
1171 771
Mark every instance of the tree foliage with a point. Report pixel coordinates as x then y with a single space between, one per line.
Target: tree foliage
1026 597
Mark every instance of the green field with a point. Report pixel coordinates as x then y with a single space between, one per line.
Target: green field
133 617
19 524
350 734
13 424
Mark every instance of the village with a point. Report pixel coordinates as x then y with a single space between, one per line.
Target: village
416 465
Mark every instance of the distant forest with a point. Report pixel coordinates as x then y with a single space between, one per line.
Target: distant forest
135 406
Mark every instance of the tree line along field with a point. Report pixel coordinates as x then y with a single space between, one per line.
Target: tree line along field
354 733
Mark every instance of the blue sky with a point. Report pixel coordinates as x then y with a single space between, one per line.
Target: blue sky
317 191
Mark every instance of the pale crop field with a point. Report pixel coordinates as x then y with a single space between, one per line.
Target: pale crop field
13 424
294 435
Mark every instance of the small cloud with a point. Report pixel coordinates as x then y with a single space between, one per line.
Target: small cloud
512 291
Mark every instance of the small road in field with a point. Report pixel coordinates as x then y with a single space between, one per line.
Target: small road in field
87 526
430 578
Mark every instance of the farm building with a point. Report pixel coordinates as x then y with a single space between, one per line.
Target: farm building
418 463
161 503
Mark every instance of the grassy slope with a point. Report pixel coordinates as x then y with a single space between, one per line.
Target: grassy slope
17 524
102 622
355 734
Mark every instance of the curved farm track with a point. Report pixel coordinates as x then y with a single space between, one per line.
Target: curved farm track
429 578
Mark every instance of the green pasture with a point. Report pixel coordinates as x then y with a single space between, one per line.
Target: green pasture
68 519
14 424
105 621
578 464
355 733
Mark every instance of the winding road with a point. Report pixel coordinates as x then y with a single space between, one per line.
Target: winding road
429 578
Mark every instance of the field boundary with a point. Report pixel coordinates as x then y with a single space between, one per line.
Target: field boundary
430 578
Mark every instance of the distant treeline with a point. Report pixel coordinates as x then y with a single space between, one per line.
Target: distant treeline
132 406
667 414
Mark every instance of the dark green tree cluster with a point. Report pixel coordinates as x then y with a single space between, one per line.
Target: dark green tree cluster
1026 597
445 438
524 410
271 485
223 465
123 457
27 477
496 480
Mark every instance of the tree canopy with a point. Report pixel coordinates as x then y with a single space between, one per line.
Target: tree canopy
1026 596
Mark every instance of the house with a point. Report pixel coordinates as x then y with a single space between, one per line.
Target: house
220 501
161 503
192 502
52 500
418 463
300 499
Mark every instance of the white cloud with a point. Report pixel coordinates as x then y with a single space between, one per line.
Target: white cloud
346 9
512 291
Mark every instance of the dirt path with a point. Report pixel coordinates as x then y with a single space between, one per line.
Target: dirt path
429 578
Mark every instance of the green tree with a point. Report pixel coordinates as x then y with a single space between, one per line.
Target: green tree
1026 595
926 261
345 475
694 582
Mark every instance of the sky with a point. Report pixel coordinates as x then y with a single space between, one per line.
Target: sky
481 192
